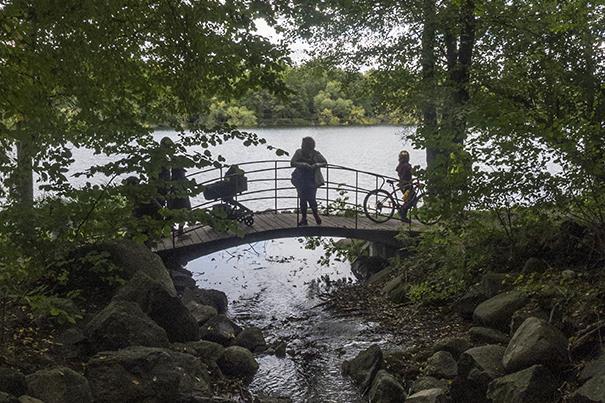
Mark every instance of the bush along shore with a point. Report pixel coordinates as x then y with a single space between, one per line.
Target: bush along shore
532 331
143 340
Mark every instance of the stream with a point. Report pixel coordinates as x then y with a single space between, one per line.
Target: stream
277 286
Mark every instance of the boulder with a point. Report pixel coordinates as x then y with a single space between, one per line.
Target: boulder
8 398
132 257
486 335
121 324
467 304
386 389
429 382
535 342
434 395
251 338
215 298
200 312
477 367
59 385
365 266
532 309
220 329
591 369
482 363
207 351
492 284
593 390
442 365
12 381
453 345
497 311
363 368
534 265
238 362
182 279
534 384
163 308
145 374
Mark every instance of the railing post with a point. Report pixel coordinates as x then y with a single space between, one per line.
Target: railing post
275 187
356 196
327 189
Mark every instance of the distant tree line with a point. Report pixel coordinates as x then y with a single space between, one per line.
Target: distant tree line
316 95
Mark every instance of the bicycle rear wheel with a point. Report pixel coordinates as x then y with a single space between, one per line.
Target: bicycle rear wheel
379 205
423 213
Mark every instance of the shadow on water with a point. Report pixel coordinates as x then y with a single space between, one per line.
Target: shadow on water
279 287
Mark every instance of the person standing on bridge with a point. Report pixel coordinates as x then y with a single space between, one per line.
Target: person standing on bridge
404 171
307 177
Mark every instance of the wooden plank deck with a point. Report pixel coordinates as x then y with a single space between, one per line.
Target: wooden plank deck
202 240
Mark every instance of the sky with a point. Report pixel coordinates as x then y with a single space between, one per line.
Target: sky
298 49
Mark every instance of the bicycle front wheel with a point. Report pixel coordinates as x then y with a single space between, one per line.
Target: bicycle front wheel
379 205
424 213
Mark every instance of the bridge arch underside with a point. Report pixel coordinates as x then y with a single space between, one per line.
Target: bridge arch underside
185 253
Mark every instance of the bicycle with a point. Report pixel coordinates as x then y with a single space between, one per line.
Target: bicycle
380 205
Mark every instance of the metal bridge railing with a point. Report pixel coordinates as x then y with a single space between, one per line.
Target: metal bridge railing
270 188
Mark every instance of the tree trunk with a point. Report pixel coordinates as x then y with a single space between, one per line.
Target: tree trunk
24 180
428 129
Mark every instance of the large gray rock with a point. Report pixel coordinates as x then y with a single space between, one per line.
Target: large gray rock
453 345
486 335
381 275
497 311
132 257
535 342
532 309
477 367
59 385
363 368
592 368
238 362
215 298
207 351
200 312
534 384
593 391
12 381
163 308
365 266
220 329
493 283
434 395
429 382
251 338
467 304
121 324
442 365
386 389
145 374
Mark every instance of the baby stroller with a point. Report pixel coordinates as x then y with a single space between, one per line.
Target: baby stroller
234 182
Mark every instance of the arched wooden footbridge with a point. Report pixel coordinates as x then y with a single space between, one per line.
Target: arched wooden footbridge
272 199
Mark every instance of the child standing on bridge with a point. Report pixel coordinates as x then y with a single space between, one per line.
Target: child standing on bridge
404 171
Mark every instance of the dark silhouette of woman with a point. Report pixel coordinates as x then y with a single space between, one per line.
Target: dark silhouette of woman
307 177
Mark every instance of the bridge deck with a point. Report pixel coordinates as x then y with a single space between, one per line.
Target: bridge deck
205 240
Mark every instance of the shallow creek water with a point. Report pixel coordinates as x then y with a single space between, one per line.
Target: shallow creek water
276 285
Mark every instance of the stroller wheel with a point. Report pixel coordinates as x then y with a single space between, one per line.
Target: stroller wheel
249 220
